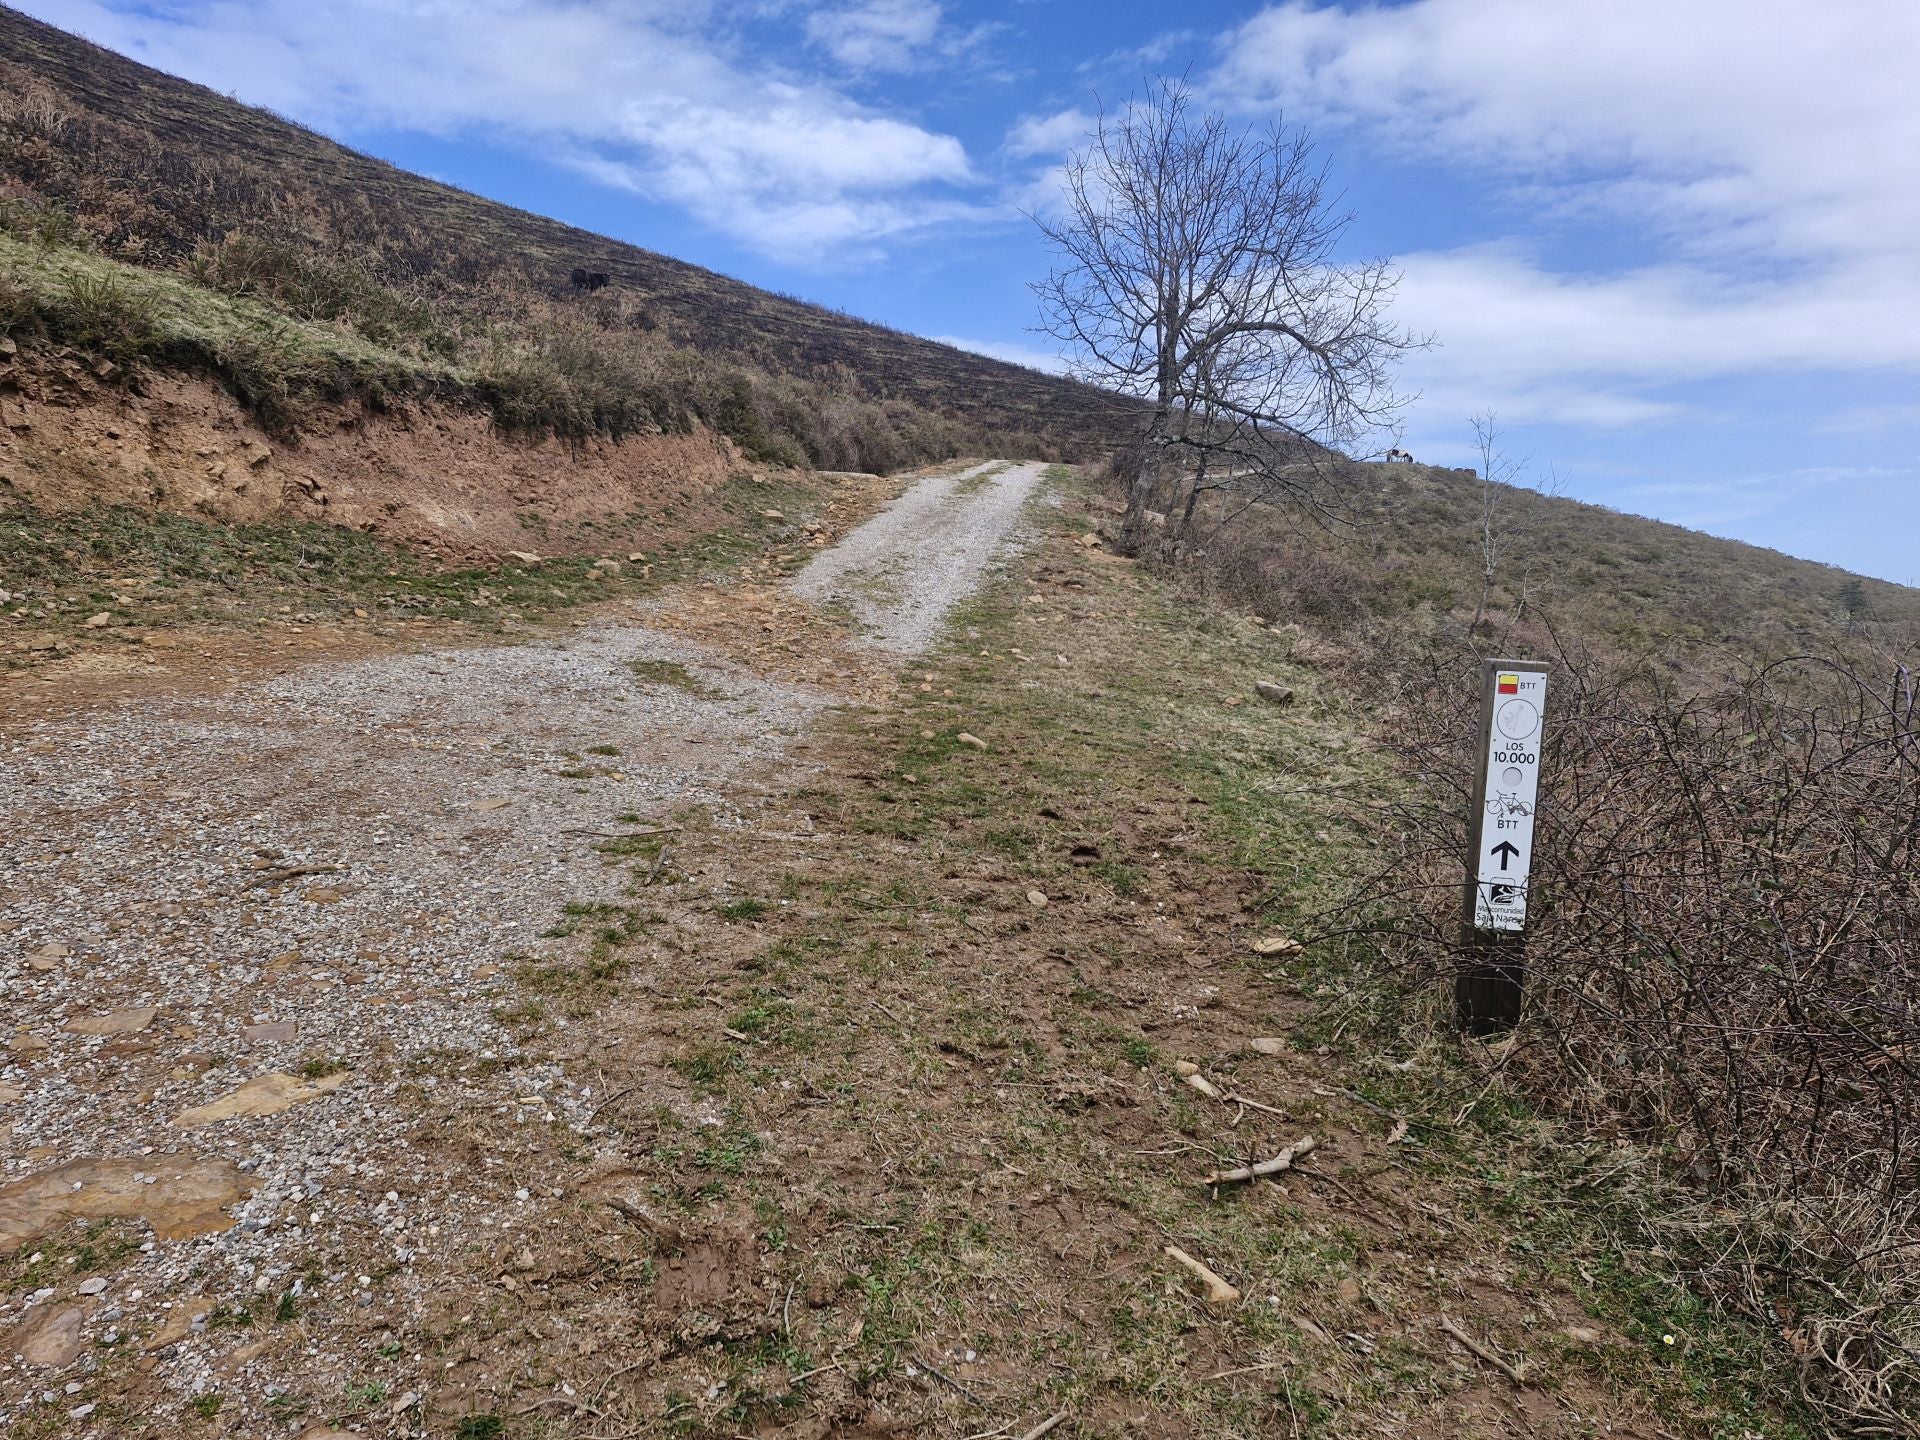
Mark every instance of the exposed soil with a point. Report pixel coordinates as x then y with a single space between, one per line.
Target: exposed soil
440 477
715 1021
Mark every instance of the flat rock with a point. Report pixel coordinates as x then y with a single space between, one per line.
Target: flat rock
1268 1045
178 1324
1272 693
49 1338
241 1356
267 1094
188 1196
119 1022
277 1032
1274 945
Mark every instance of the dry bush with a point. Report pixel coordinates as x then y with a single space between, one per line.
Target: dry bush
104 315
33 108
1723 964
316 287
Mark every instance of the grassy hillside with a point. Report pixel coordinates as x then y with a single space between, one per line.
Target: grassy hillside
1403 552
98 153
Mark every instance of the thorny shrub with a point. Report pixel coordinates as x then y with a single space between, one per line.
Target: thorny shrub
1723 965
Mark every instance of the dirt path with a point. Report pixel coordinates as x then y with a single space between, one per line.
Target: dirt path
258 950
899 574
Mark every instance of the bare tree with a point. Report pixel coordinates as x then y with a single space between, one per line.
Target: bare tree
1497 474
1507 513
1197 271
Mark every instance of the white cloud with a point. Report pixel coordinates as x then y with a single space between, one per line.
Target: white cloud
1771 147
639 94
1049 135
1540 344
1134 61
877 34
1011 351
1873 419
1785 125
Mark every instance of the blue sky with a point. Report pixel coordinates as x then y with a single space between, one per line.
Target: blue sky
1674 247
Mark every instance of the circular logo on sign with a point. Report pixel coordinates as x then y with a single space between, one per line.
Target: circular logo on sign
1517 719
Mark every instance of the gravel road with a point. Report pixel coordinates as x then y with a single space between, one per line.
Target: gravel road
326 878
902 571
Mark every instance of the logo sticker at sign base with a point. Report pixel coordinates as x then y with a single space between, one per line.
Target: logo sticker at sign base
1504 845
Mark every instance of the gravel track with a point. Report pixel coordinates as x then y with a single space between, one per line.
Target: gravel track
902 571
449 788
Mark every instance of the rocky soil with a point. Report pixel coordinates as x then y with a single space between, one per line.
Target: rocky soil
260 950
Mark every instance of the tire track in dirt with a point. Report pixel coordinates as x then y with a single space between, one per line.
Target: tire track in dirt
326 878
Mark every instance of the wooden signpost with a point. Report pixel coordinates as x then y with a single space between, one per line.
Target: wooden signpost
1513 708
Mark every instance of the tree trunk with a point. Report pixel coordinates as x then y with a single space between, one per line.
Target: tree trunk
1193 497
1146 484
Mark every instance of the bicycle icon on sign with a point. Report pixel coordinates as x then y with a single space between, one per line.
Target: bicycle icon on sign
1505 803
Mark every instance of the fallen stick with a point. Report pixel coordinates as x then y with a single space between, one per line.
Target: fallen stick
1239 1099
1453 1328
1046 1426
1283 1161
944 1378
1246 1369
817 1370
659 864
1219 1291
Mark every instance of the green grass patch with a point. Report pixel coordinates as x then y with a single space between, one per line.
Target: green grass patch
672 675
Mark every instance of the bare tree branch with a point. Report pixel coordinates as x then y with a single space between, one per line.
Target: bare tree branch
1197 271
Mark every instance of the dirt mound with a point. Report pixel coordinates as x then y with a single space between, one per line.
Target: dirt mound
435 475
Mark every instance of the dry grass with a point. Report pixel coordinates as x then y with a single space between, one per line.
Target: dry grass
1721 955
1395 563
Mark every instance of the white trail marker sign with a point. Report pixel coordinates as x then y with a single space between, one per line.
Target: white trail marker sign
1513 717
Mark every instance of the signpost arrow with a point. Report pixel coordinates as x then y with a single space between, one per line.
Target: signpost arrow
1513 696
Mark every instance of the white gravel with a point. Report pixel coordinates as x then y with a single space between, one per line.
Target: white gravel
134 837
901 572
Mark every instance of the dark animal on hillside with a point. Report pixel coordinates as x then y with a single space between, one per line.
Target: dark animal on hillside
1399 457
588 280
579 278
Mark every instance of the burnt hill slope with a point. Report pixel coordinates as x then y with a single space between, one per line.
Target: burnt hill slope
156 168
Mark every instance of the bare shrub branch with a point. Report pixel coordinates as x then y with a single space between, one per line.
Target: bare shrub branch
1723 964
